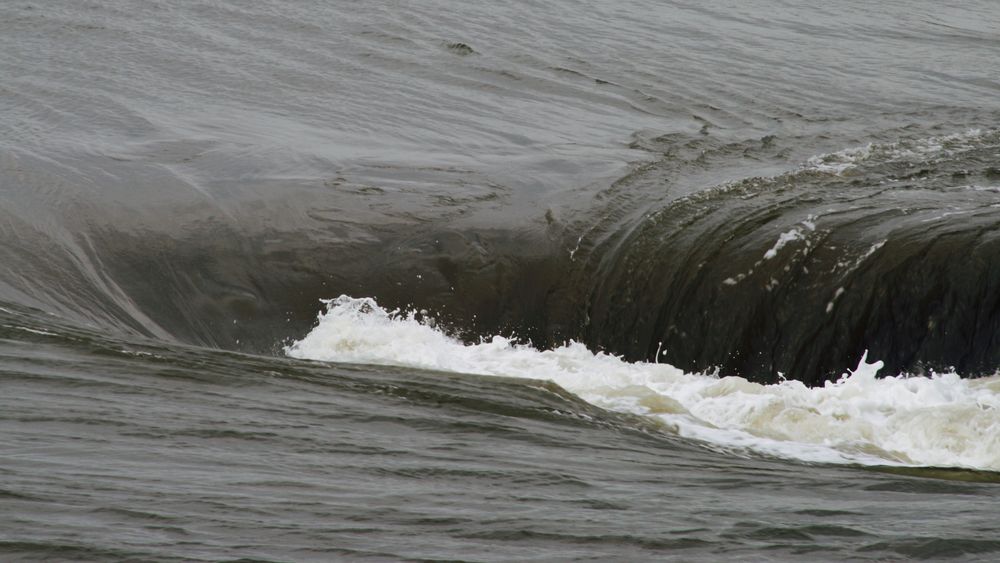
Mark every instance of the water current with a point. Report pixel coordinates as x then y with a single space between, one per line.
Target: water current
491 281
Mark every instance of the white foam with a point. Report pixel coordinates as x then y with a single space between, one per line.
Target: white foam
783 239
946 145
31 330
935 421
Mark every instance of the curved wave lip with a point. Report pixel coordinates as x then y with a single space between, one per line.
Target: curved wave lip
937 421
890 247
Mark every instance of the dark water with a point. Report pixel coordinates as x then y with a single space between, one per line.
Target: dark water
765 189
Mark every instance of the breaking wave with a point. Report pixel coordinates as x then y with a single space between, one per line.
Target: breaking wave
938 421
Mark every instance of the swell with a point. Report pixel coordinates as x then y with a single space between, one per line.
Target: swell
890 248
213 185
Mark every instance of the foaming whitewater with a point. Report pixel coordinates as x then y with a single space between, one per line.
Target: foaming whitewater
937 421
917 150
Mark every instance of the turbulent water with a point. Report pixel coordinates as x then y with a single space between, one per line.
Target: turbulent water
654 280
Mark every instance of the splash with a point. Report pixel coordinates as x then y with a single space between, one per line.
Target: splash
918 150
940 421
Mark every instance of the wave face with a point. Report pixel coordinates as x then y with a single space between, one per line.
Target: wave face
890 248
886 247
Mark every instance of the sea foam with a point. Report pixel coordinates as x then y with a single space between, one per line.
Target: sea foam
919 150
940 421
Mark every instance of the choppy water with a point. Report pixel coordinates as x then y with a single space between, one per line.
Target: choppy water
647 246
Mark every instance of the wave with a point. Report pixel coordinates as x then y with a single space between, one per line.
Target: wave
938 421
579 186
890 247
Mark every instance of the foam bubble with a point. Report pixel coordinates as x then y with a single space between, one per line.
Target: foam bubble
917 149
941 421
